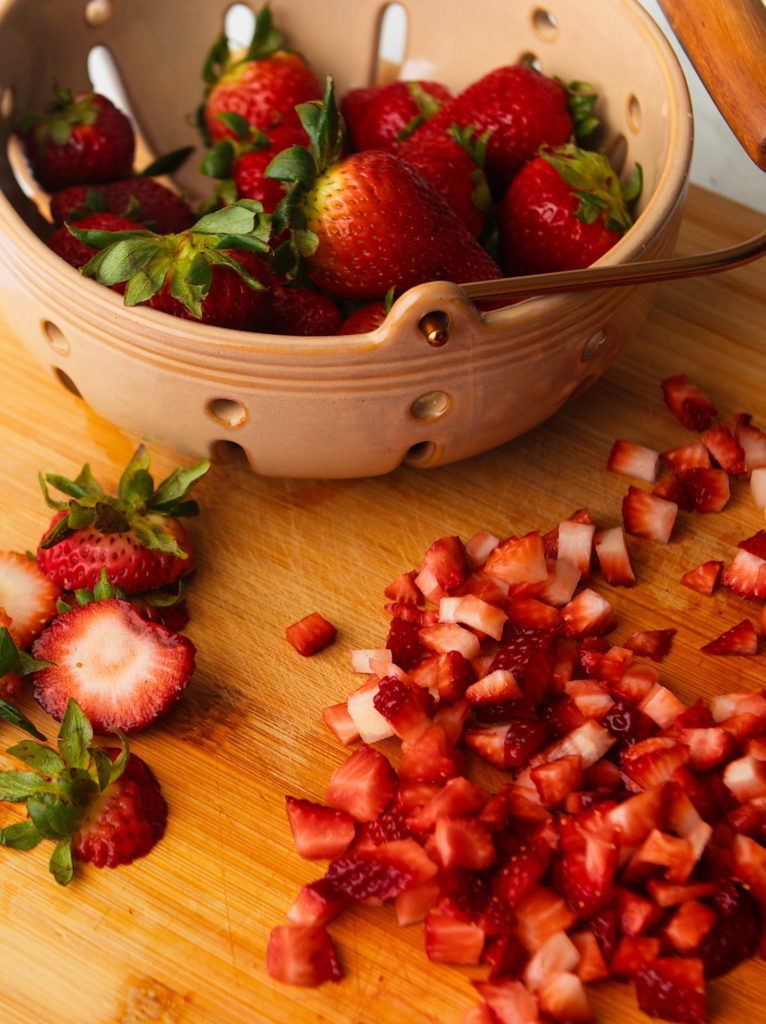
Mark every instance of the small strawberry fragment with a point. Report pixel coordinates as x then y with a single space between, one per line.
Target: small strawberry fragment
741 639
449 940
725 449
302 955
650 643
614 557
673 988
628 458
688 402
27 596
363 785
704 578
319 831
708 489
647 515
310 634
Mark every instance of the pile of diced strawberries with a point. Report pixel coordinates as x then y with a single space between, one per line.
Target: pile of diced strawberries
627 838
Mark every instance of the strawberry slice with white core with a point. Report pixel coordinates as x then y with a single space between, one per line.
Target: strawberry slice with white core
758 487
752 440
575 544
688 402
741 639
123 671
472 611
27 596
302 955
519 560
649 516
628 458
704 578
692 455
613 557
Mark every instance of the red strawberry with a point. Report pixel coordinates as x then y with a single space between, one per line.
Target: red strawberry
303 311
740 639
78 139
310 634
563 210
363 785
364 319
704 578
28 598
77 252
114 813
369 222
319 831
192 275
673 988
688 403
522 109
136 535
263 86
141 199
708 488
378 116
628 458
123 671
647 515
302 955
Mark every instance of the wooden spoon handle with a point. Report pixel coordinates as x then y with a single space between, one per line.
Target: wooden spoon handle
726 42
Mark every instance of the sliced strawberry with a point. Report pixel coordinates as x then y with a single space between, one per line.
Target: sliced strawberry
27 596
522 739
123 684
444 568
638 915
662 706
709 747
692 455
520 871
449 940
540 913
650 643
472 611
508 1000
585 872
562 997
496 687
708 489
690 924
310 634
725 449
448 636
519 560
317 903
704 578
673 988
406 707
463 842
534 613
319 831
741 639
652 761
556 779
432 758
588 614
363 785
646 515
613 557
575 544
302 955
591 965
744 576
628 458
635 817
688 402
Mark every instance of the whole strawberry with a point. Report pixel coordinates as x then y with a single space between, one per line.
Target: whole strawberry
135 535
78 138
77 252
144 200
264 85
379 116
101 805
369 221
211 272
303 311
563 210
522 110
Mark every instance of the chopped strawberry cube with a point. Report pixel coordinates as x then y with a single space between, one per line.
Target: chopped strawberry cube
556 779
628 458
740 639
302 955
495 687
692 455
575 544
557 953
317 903
449 940
752 440
340 723
363 785
591 965
588 614
673 988
650 643
432 758
562 997
704 578
472 611
404 589
449 636
646 515
688 402
744 576
540 913
690 924
444 568
509 1001
725 449
310 634
708 489
408 708
662 706
319 831
613 557
632 954
519 560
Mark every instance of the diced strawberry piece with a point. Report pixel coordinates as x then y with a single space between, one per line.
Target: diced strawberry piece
414 903
479 547
340 723
745 777
505 955
671 489
449 940
725 449
635 682
613 557
590 741
689 926
302 955
472 611
532 613
444 568
468 895
673 988
704 578
556 779
709 747
404 643
509 1001
561 584
562 997
310 634
523 738
591 698
588 614
363 785
404 589
672 894
752 440
628 458
673 853
650 643
708 489
362 660
652 761
750 865
635 817
463 842
575 544
488 742
447 675
632 954
688 402
430 759
737 931
457 797
370 725
646 515
540 913
692 455
317 903
391 825
451 718
319 831
758 487
638 915
367 878
519 560
741 639
495 687
520 871
743 575
585 871
591 966
447 636
662 706
723 706
755 544
406 707
557 953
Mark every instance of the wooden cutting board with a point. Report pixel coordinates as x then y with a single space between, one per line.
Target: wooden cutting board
180 937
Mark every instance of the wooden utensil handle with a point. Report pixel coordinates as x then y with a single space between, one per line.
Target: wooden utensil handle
726 42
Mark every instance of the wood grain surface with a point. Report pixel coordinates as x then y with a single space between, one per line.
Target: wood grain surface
180 936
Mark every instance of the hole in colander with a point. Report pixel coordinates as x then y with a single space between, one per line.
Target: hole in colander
56 338
229 452
422 454
98 12
431 406
545 25
7 102
617 151
227 412
238 24
633 113
531 60
66 380
105 78
392 43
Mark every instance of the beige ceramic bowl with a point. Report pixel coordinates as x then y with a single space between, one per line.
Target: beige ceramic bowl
340 406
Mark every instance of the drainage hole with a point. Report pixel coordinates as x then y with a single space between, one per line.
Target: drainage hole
66 380
430 406
227 412
56 338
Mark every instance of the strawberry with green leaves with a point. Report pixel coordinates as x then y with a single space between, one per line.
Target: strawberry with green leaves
263 85
136 535
563 211
380 116
144 200
78 138
101 805
211 272
367 222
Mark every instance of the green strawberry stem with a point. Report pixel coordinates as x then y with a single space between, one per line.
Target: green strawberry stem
59 789
581 99
60 115
596 185
138 505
